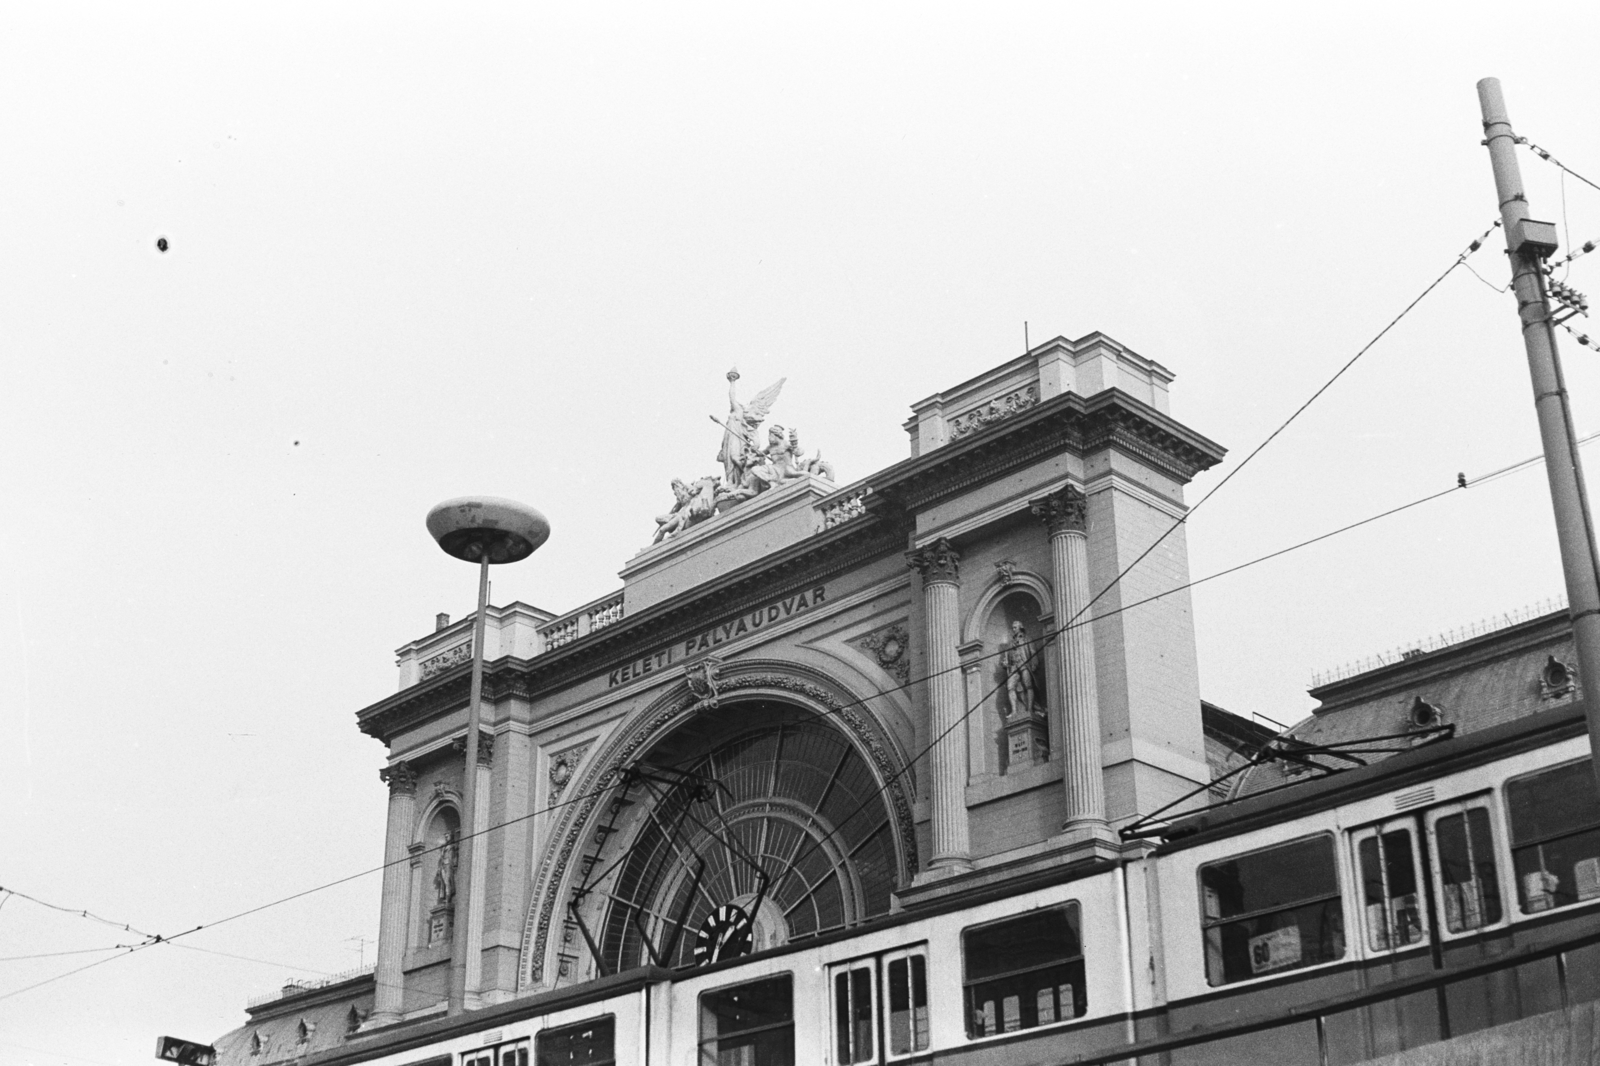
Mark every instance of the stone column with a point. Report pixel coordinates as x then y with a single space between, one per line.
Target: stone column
1065 515
940 567
394 915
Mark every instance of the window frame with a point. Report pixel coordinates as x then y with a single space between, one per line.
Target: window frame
492 1054
867 964
1421 878
581 1023
1512 845
699 1002
1071 907
1208 923
887 959
1498 853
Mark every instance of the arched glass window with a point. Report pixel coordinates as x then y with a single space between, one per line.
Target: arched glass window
752 826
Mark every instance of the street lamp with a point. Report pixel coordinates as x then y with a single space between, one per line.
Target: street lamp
482 530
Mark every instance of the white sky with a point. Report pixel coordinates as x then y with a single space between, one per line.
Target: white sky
416 255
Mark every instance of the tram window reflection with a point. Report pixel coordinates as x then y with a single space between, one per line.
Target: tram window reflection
748 1025
906 989
1468 881
1555 837
1024 971
1271 910
586 1043
1391 903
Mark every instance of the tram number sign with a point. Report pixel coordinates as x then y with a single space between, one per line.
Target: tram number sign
185 1052
1275 950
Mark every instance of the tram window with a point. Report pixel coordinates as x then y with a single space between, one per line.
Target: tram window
905 977
1555 837
512 1054
1391 903
1271 910
1464 866
478 1058
748 1025
588 1043
855 1036
1024 971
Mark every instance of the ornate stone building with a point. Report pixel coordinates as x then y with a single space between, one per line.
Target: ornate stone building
811 706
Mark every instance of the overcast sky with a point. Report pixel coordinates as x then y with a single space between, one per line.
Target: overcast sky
414 254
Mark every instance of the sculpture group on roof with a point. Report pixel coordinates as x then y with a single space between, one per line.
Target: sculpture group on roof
748 467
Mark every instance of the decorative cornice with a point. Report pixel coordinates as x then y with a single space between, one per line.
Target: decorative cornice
938 563
401 779
838 550
1064 511
1070 423
650 728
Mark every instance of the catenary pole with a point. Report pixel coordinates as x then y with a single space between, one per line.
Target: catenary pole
1568 496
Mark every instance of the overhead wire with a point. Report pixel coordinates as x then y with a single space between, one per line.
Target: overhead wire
1039 645
1548 158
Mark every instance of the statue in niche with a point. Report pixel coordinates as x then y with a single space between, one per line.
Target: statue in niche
444 876
1018 659
695 503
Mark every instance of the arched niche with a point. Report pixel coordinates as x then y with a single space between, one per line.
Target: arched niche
434 877
754 703
1007 674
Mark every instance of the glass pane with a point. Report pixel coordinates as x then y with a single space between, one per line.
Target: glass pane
1035 939
841 1016
919 1003
1553 803
899 990
1279 877
1270 943
861 1014
1467 870
750 1025
588 1043
1558 872
1389 890
1024 1000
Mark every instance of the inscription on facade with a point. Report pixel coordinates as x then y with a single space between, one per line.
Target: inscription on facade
680 650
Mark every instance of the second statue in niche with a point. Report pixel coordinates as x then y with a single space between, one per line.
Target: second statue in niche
1019 658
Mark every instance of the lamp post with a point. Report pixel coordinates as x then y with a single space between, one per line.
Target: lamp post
482 530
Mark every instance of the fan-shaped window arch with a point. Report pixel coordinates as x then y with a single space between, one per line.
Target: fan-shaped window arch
762 811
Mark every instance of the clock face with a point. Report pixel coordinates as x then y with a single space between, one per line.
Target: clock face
727 933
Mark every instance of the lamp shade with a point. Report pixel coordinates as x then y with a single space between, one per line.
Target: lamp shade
472 527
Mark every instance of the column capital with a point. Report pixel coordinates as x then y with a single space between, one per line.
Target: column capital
939 562
485 747
401 779
1065 511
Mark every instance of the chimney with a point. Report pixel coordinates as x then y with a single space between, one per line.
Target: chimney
440 621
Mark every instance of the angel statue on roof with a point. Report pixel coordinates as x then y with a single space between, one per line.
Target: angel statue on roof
739 448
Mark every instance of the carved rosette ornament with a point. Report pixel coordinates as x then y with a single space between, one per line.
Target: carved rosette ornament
889 648
1065 511
562 766
938 563
401 778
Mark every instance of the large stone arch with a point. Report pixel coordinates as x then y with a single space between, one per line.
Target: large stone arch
790 682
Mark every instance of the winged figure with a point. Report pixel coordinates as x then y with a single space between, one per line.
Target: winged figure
739 447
